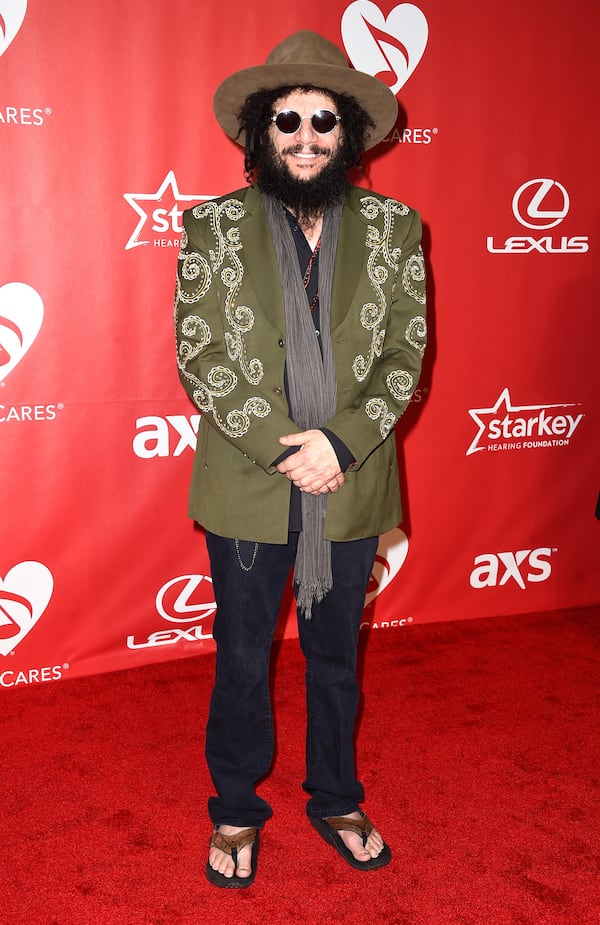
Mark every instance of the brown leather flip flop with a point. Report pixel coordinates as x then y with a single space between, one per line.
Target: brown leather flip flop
233 844
329 828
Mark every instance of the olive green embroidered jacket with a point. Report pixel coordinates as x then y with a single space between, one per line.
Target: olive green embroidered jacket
230 328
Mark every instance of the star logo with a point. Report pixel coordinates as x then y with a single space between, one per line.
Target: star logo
521 426
163 219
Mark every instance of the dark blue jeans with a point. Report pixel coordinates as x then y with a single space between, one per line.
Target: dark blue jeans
249 581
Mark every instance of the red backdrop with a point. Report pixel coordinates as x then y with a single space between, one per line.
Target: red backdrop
107 133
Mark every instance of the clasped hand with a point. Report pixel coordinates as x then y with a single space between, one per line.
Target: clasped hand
314 468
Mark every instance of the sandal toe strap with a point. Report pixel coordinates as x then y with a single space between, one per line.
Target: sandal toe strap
362 827
231 843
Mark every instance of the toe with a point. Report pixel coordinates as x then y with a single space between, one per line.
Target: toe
374 844
354 844
244 868
221 862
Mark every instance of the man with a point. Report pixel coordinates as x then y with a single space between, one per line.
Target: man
300 329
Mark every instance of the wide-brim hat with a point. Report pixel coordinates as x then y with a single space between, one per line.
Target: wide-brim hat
306 58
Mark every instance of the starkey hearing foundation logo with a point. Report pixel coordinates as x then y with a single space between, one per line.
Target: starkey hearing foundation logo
25 593
12 14
505 426
159 214
540 205
389 48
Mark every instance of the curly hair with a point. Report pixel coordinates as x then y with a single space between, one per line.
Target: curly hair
255 119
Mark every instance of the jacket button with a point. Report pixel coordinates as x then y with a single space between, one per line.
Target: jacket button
277 390
281 342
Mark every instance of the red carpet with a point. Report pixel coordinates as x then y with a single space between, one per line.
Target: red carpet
478 750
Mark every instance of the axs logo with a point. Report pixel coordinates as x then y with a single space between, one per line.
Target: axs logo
168 436
497 569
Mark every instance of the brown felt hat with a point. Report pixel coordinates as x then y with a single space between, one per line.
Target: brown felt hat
306 58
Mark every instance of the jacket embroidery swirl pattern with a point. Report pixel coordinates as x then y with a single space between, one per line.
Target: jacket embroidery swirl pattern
198 276
224 260
382 259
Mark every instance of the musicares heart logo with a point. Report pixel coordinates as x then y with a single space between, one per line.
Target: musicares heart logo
389 49
24 596
21 315
12 14
391 555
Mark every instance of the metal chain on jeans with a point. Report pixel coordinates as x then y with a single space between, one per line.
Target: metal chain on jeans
246 568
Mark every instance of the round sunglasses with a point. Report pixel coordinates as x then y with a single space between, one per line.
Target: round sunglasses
289 121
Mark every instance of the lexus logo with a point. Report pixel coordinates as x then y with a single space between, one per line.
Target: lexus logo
540 203
186 599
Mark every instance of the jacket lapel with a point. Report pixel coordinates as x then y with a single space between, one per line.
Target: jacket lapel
261 266
351 245
260 262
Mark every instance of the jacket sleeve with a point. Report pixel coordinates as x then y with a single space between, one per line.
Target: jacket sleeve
386 375
224 382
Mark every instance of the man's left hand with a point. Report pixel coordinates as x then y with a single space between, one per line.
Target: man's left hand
315 467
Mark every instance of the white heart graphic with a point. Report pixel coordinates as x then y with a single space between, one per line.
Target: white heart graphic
391 555
21 315
24 596
387 48
12 14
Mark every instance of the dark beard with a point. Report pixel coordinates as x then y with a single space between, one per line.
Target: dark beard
306 199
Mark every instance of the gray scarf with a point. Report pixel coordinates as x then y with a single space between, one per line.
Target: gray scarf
312 385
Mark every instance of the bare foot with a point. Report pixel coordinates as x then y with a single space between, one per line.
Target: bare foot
223 862
353 842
